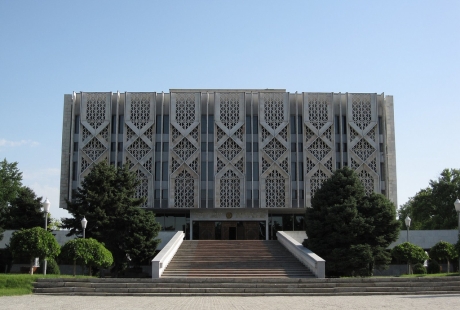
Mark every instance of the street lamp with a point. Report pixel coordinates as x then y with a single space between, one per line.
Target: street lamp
46 209
83 225
457 208
407 221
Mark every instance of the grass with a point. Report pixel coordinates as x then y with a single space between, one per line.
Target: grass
433 275
22 284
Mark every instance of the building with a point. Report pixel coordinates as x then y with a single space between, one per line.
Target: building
230 164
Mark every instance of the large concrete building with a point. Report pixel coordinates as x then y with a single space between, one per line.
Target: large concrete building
228 163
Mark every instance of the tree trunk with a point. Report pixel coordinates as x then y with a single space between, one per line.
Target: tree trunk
31 266
74 268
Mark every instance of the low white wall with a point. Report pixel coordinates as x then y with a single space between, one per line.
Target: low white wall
298 236
165 237
161 261
312 261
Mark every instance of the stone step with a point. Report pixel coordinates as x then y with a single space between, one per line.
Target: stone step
248 287
223 258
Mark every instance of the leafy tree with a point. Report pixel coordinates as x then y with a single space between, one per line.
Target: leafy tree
433 207
34 242
410 253
443 251
10 183
25 210
106 199
350 230
88 252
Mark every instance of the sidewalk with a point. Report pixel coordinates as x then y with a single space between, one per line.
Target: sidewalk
399 302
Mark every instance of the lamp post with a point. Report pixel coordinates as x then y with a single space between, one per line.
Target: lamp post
46 209
407 221
457 208
83 225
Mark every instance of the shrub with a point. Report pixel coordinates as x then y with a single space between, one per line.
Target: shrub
433 267
87 252
419 269
52 267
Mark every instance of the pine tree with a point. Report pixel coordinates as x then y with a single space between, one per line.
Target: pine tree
106 199
348 229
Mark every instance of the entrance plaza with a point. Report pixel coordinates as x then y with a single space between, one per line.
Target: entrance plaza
45 302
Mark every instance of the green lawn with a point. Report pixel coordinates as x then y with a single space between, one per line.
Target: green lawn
21 284
451 274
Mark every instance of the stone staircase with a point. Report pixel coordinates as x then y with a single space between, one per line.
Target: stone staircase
248 286
228 259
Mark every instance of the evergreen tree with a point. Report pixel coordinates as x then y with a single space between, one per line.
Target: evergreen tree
25 211
348 229
106 199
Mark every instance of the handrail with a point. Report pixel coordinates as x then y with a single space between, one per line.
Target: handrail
161 261
312 261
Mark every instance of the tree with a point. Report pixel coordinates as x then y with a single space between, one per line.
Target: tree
410 253
10 183
443 251
106 199
34 242
433 207
350 230
88 252
25 210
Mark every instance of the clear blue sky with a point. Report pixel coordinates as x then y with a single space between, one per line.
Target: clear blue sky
408 49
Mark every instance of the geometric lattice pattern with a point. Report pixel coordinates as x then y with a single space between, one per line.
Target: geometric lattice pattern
229 157
229 109
363 149
230 149
185 149
84 164
274 109
319 149
185 109
140 109
275 149
367 180
184 190
184 155
230 190
318 110
316 181
95 109
85 133
361 110
142 189
94 149
138 149
275 190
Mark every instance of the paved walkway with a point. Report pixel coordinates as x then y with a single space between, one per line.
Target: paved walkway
401 302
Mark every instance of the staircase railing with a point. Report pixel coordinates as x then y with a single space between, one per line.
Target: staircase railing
312 261
161 261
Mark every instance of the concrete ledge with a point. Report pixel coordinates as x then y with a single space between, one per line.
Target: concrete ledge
161 261
315 263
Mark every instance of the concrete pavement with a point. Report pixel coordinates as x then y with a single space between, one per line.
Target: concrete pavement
399 302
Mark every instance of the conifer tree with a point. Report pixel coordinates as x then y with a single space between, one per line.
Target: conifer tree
106 198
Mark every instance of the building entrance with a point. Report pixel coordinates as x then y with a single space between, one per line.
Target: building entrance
228 230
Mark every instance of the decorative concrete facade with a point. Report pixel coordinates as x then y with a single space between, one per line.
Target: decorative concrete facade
202 152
